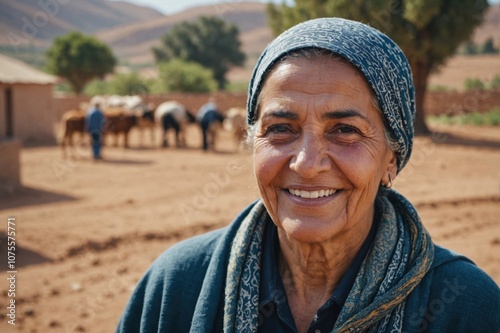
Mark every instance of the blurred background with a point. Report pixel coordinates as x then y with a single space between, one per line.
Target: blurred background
86 231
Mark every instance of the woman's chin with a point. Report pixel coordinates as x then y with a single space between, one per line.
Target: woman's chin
309 231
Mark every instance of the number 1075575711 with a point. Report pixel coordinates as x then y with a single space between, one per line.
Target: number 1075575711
11 243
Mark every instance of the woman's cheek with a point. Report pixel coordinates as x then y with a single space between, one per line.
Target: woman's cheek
268 161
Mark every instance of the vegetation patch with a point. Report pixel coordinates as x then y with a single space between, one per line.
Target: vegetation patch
491 118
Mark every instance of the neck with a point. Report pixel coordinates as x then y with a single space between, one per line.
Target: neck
320 264
311 271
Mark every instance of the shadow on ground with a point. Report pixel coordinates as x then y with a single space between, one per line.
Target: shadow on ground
22 256
28 196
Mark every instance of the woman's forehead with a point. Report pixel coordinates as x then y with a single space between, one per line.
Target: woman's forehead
316 78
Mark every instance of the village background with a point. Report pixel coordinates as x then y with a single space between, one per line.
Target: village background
86 232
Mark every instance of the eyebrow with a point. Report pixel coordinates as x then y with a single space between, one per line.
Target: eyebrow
339 114
282 114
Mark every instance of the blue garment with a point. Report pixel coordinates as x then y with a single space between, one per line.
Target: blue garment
381 61
274 312
94 123
210 117
94 120
183 291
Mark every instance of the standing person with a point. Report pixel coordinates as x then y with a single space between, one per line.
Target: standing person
94 122
210 118
329 246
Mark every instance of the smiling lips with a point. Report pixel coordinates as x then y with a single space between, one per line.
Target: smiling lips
311 194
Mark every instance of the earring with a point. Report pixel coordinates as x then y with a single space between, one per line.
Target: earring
389 183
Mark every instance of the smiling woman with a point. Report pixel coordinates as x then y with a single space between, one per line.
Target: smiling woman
329 247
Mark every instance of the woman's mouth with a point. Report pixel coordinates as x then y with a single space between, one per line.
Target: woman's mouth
312 194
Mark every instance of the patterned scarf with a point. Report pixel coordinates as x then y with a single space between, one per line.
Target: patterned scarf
401 255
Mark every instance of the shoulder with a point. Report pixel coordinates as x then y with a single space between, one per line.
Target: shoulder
450 265
190 255
188 274
178 274
461 297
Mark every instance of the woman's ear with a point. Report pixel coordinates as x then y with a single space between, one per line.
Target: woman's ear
391 170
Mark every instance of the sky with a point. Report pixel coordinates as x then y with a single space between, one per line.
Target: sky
174 6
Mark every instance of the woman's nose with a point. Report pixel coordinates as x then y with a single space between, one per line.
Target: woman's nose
310 157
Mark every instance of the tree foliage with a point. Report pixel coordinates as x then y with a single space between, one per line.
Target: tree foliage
96 87
428 31
209 41
79 59
128 84
186 76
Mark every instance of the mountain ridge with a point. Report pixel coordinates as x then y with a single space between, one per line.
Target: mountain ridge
131 30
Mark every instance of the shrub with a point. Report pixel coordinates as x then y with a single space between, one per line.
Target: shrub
439 88
128 84
186 76
491 118
495 82
96 87
474 84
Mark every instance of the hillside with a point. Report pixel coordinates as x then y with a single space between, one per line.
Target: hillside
134 42
490 26
35 23
132 30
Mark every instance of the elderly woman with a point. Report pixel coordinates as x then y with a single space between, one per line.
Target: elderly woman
329 247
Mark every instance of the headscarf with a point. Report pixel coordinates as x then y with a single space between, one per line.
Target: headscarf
381 61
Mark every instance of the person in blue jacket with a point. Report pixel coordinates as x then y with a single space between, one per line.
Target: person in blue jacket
329 246
94 122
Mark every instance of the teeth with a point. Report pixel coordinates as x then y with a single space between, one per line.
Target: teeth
312 194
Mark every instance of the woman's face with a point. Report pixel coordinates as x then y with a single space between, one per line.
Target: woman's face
319 149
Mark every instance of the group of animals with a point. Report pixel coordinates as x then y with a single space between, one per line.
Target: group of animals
123 113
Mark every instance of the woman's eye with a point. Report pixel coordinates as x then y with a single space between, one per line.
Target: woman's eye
346 129
279 128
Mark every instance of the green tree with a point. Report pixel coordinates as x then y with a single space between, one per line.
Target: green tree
186 76
428 31
79 59
128 84
96 87
209 41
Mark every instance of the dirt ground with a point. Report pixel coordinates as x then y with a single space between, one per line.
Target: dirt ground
87 231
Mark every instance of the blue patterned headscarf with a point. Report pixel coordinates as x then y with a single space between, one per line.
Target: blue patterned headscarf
380 60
